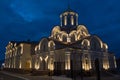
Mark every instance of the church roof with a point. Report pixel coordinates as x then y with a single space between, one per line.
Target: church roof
69 11
74 45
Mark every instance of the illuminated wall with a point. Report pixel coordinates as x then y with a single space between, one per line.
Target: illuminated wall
18 55
86 62
67 61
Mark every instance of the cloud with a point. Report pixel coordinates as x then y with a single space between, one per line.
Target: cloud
34 9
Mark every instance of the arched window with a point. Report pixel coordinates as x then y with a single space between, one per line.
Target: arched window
85 44
72 20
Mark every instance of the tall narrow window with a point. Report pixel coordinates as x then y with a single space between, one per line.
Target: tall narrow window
86 64
61 20
72 20
21 48
65 20
68 38
76 20
67 61
115 62
105 62
20 65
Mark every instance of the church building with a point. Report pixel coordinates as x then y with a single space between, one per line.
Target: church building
71 42
69 46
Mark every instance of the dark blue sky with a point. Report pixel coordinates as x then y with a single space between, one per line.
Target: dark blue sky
33 19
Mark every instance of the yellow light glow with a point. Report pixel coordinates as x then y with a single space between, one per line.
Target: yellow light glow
65 20
60 39
106 66
72 20
105 62
68 39
82 28
36 48
67 61
51 67
51 64
21 48
37 66
86 67
30 64
41 58
78 37
105 45
51 43
55 30
46 58
67 67
10 50
86 63
86 41
20 65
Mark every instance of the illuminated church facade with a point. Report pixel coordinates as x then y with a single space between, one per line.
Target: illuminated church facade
70 46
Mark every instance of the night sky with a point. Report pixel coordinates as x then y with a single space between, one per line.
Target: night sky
33 19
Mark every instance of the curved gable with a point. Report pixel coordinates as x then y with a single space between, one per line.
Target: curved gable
96 43
43 45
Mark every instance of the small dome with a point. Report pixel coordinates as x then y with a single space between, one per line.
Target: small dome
68 11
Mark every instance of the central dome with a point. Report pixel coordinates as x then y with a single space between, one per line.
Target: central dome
69 20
